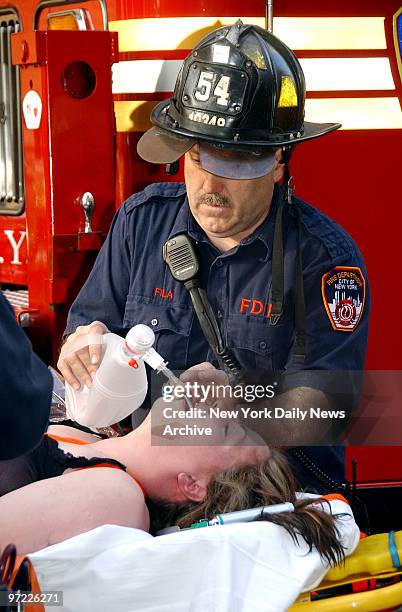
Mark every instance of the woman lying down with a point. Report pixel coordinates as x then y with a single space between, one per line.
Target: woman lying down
50 494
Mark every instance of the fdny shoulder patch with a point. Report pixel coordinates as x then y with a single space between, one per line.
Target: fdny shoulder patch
344 292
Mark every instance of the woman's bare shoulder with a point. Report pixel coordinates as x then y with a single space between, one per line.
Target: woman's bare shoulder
121 495
80 501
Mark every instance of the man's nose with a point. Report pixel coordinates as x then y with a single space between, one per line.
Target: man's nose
212 183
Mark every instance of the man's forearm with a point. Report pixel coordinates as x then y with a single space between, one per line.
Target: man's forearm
299 417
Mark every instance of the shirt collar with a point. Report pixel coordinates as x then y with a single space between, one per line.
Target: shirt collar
185 223
183 220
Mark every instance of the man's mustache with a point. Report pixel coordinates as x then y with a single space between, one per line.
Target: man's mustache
214 199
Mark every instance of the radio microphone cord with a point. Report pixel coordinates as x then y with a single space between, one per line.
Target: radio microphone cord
182 260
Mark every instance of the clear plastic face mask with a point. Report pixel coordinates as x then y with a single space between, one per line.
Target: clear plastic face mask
235 164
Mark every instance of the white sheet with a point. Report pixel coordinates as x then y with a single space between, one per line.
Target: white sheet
234 568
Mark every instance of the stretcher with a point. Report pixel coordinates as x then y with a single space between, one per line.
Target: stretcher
370 580
230 568
372 574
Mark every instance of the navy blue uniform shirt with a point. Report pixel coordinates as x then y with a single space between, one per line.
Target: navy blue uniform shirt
25 389
130 284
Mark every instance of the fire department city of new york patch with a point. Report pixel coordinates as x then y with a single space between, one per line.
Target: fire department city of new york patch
344 291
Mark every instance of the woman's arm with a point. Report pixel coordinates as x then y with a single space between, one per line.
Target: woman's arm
50 511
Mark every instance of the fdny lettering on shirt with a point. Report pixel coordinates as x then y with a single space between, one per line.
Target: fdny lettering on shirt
255 307
344 292
161 291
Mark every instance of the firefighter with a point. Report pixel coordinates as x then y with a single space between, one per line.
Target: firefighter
286 284
25 389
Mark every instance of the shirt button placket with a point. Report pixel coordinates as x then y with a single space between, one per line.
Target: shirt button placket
219 287
219 291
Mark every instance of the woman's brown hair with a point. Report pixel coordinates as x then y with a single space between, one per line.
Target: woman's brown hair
271 482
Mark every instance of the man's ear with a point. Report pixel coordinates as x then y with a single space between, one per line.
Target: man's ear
193 489
278 168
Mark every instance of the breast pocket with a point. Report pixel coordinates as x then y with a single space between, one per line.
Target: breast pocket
171 323
259 345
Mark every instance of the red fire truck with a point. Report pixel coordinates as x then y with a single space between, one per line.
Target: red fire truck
77 82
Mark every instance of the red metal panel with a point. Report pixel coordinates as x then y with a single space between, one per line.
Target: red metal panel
375 464
72 152
127 9
347 175
82 131
133 173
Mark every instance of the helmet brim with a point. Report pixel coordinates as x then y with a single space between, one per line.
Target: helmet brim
161 147
314 130
165 144
236 164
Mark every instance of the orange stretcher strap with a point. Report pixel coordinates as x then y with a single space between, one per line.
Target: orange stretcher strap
34 583
333 496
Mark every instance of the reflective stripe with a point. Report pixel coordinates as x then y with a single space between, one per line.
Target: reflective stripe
331 32
393 551
345 74
356 113
140 76
296 32
322 74
353 113
133 116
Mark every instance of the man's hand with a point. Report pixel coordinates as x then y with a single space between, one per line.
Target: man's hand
78 360
212 385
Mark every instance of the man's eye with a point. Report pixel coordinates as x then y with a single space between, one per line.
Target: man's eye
196 160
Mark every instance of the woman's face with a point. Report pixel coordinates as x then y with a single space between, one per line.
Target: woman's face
228 444
231 445
198 439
